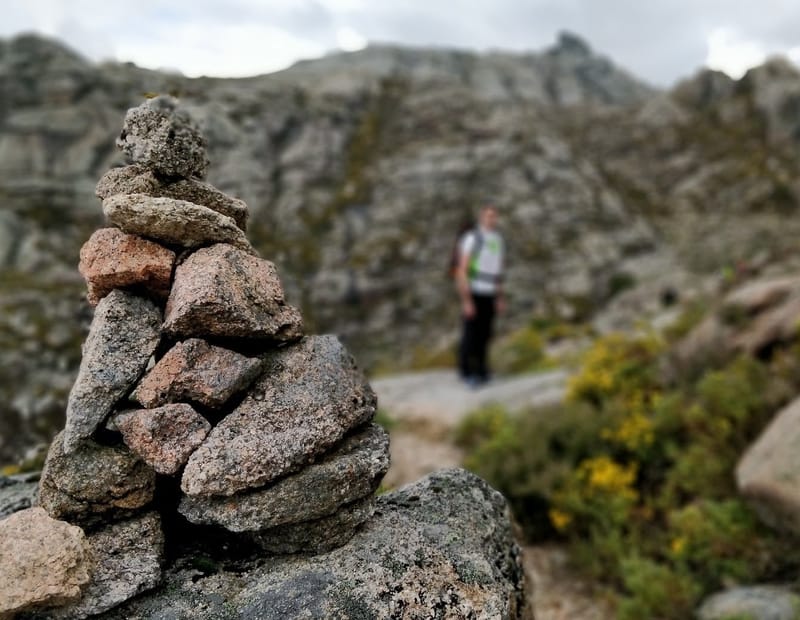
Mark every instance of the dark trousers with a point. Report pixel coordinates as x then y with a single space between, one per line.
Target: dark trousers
475 338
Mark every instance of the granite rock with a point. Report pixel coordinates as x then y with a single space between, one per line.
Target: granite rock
137 179
124 334
352 471
112 259
175 222
195 371
162 136
222 291
163 437
17 493
308 397
43 562
94 482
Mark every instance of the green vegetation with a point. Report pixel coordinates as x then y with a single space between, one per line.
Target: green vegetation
636 475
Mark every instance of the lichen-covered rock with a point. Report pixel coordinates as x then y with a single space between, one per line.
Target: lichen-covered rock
753 603
17 493
440 548
137 179
94 481
224 292
43 562
113 259
195 371
768 475
174 222
128 557
353 470
308 397
162 136
124 334
163 437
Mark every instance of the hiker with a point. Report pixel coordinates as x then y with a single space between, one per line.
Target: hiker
479 281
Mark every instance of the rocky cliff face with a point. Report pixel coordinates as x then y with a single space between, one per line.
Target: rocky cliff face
359 168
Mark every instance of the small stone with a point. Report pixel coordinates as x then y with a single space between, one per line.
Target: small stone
16 494
128 557
112 259
124 334
351 472
754 602
164 437
309 396
137 179
94 481
195 371
223 292
162 136
175 222
317 536
43 562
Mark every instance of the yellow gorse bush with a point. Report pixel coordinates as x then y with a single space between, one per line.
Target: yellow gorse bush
607 476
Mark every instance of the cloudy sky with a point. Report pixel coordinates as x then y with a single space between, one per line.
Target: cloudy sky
660 41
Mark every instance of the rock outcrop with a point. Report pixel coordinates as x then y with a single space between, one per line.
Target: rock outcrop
212 406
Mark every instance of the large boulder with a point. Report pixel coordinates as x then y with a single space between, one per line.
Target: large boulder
307 399
124 334
43 562
439 548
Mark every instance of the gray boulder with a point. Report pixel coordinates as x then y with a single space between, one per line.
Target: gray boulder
94 482
753 603
224 292
309 396
124 334
171 221
351 472
162 136
439 548
137 179
195 371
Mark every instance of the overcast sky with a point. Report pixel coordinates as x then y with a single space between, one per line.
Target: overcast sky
660 41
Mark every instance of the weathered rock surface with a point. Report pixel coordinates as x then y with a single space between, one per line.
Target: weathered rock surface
309 396
222 291
195 371
352 471
112 259
137 179
163 437
94 481
128 557
43 561
124 334
17 493
440 548
768 475
162 136
753 603
174 222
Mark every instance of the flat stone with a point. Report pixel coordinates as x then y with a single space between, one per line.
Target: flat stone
43 562
124 334
175 222
224 292
352 471
112 259
768 475
308 398
94 481
161 135
164 437
318 535
137 179
195 371
128 557
753 603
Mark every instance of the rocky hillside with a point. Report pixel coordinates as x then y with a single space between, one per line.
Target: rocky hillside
359 168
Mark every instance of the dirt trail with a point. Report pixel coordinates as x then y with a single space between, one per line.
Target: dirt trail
427 406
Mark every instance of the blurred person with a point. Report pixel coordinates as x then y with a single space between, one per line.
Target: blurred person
479 277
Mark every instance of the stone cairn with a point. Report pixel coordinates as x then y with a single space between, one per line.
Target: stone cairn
197 390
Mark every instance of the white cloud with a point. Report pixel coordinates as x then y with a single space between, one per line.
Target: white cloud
732 53
349 39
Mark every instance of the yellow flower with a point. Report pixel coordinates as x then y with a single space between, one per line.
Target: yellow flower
678 545
559 519
603 474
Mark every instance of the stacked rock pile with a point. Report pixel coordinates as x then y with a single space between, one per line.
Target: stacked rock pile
197 386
